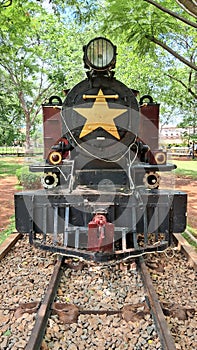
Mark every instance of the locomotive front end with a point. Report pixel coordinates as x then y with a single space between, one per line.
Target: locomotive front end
101 199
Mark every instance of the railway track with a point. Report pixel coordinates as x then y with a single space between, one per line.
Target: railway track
95 316
44 310
69 313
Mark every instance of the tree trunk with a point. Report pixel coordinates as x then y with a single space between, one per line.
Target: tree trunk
27 119
189 6
28 128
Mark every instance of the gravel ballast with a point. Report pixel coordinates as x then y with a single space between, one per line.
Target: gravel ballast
26 271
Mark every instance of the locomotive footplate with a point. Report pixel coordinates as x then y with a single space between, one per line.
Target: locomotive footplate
132 223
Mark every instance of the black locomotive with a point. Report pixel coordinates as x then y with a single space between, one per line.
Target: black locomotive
101 199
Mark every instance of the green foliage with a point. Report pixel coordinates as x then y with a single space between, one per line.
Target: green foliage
192 231
10 112
148 67
27 179
190 241
140 21
41 54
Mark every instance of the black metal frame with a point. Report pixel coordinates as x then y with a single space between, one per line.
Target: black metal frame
51 219
100 257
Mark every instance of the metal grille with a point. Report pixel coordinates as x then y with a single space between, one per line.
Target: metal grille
65 235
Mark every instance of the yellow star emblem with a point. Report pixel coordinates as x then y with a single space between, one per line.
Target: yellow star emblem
100 115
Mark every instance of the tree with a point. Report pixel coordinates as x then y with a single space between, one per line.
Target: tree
10 126
41 50
35 52
172 13
156 48
149 75
148 28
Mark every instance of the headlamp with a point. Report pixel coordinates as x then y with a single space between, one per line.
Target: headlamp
100 54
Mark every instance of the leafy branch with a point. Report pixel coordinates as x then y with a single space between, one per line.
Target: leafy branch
5 3
172 13
171 51
188 88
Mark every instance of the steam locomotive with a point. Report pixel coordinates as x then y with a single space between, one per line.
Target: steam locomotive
101 199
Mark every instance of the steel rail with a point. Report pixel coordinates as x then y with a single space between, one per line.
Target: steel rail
166 339
44 311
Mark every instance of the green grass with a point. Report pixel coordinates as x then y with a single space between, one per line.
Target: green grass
9 165
186 168
192 230
189 240
5 233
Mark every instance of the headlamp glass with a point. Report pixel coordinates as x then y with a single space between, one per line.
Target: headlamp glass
100 54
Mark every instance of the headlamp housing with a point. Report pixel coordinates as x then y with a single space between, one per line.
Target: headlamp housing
100 54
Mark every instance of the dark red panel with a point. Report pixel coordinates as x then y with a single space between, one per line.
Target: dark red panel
52 127
149 125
